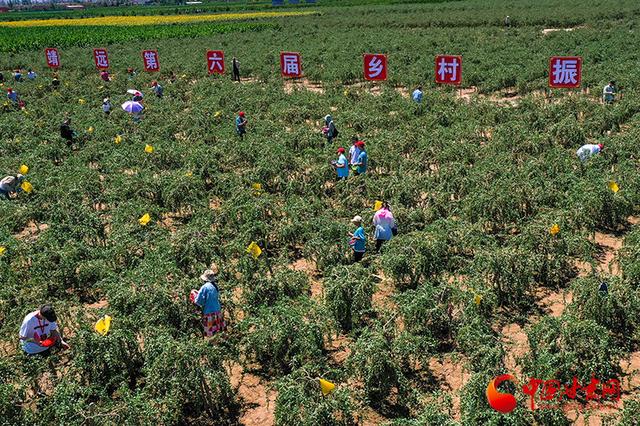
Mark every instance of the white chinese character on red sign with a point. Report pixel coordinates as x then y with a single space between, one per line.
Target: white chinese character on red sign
290 64
151 62
53 60
565 71
101 59
375 67
448 69
215 61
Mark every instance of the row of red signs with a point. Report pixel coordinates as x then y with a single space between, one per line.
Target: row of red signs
564 71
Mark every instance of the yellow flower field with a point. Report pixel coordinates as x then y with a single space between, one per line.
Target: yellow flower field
148 20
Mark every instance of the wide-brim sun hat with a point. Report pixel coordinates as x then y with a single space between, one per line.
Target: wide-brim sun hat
357 219
208 275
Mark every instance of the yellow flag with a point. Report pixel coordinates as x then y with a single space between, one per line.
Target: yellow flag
81 101
144 219
90 129
257 188
189 173
477 299
346 93
117 139
103 325
24 169
26 187
2 250
148 149
254 249
613 186
217 114
554 229
326 387
378 205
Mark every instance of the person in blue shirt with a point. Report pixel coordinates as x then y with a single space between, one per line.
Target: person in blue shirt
361 163
31 74
241 124
157 89
358 241
17 75
417 95
208 298
341 166
12 95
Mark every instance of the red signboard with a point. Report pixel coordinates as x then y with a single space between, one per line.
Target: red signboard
215 61
375 67
53 60
565 71
151 60
290 64
449 69
101 59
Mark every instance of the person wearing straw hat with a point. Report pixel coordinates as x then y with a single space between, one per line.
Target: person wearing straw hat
39 332
329 130
10 185
208 298
341 165
358 240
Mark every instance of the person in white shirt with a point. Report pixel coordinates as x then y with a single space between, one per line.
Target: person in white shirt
39 332
354 151
609 93
10 185
106 106
587 151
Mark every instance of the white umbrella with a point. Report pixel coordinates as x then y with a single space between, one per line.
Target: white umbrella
135 92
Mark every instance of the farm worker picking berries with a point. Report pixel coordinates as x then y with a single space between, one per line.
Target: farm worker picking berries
104 75
587 151
132 73
329 130
17 75
208 298
358 241
354 151
236 69
55 83
66 132
31 74
106 106
157 89
341 165
39 332
10 185
417 95
385 225
241 124
609 92
363 159
12 95
137 96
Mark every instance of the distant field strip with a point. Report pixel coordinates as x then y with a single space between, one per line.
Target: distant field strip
149 20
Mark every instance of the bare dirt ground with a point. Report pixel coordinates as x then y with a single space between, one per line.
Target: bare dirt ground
31 231
452 377
257 398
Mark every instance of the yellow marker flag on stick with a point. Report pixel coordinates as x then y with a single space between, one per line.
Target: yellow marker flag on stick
24 169
2 250
257 188
103 325
613 186
117 139
326 387
378 205
148 149
90 129
217 114
144 219
254 249
26 187
554 229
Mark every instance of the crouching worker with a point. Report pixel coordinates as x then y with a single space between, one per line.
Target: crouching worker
208 298
39 332
10 185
